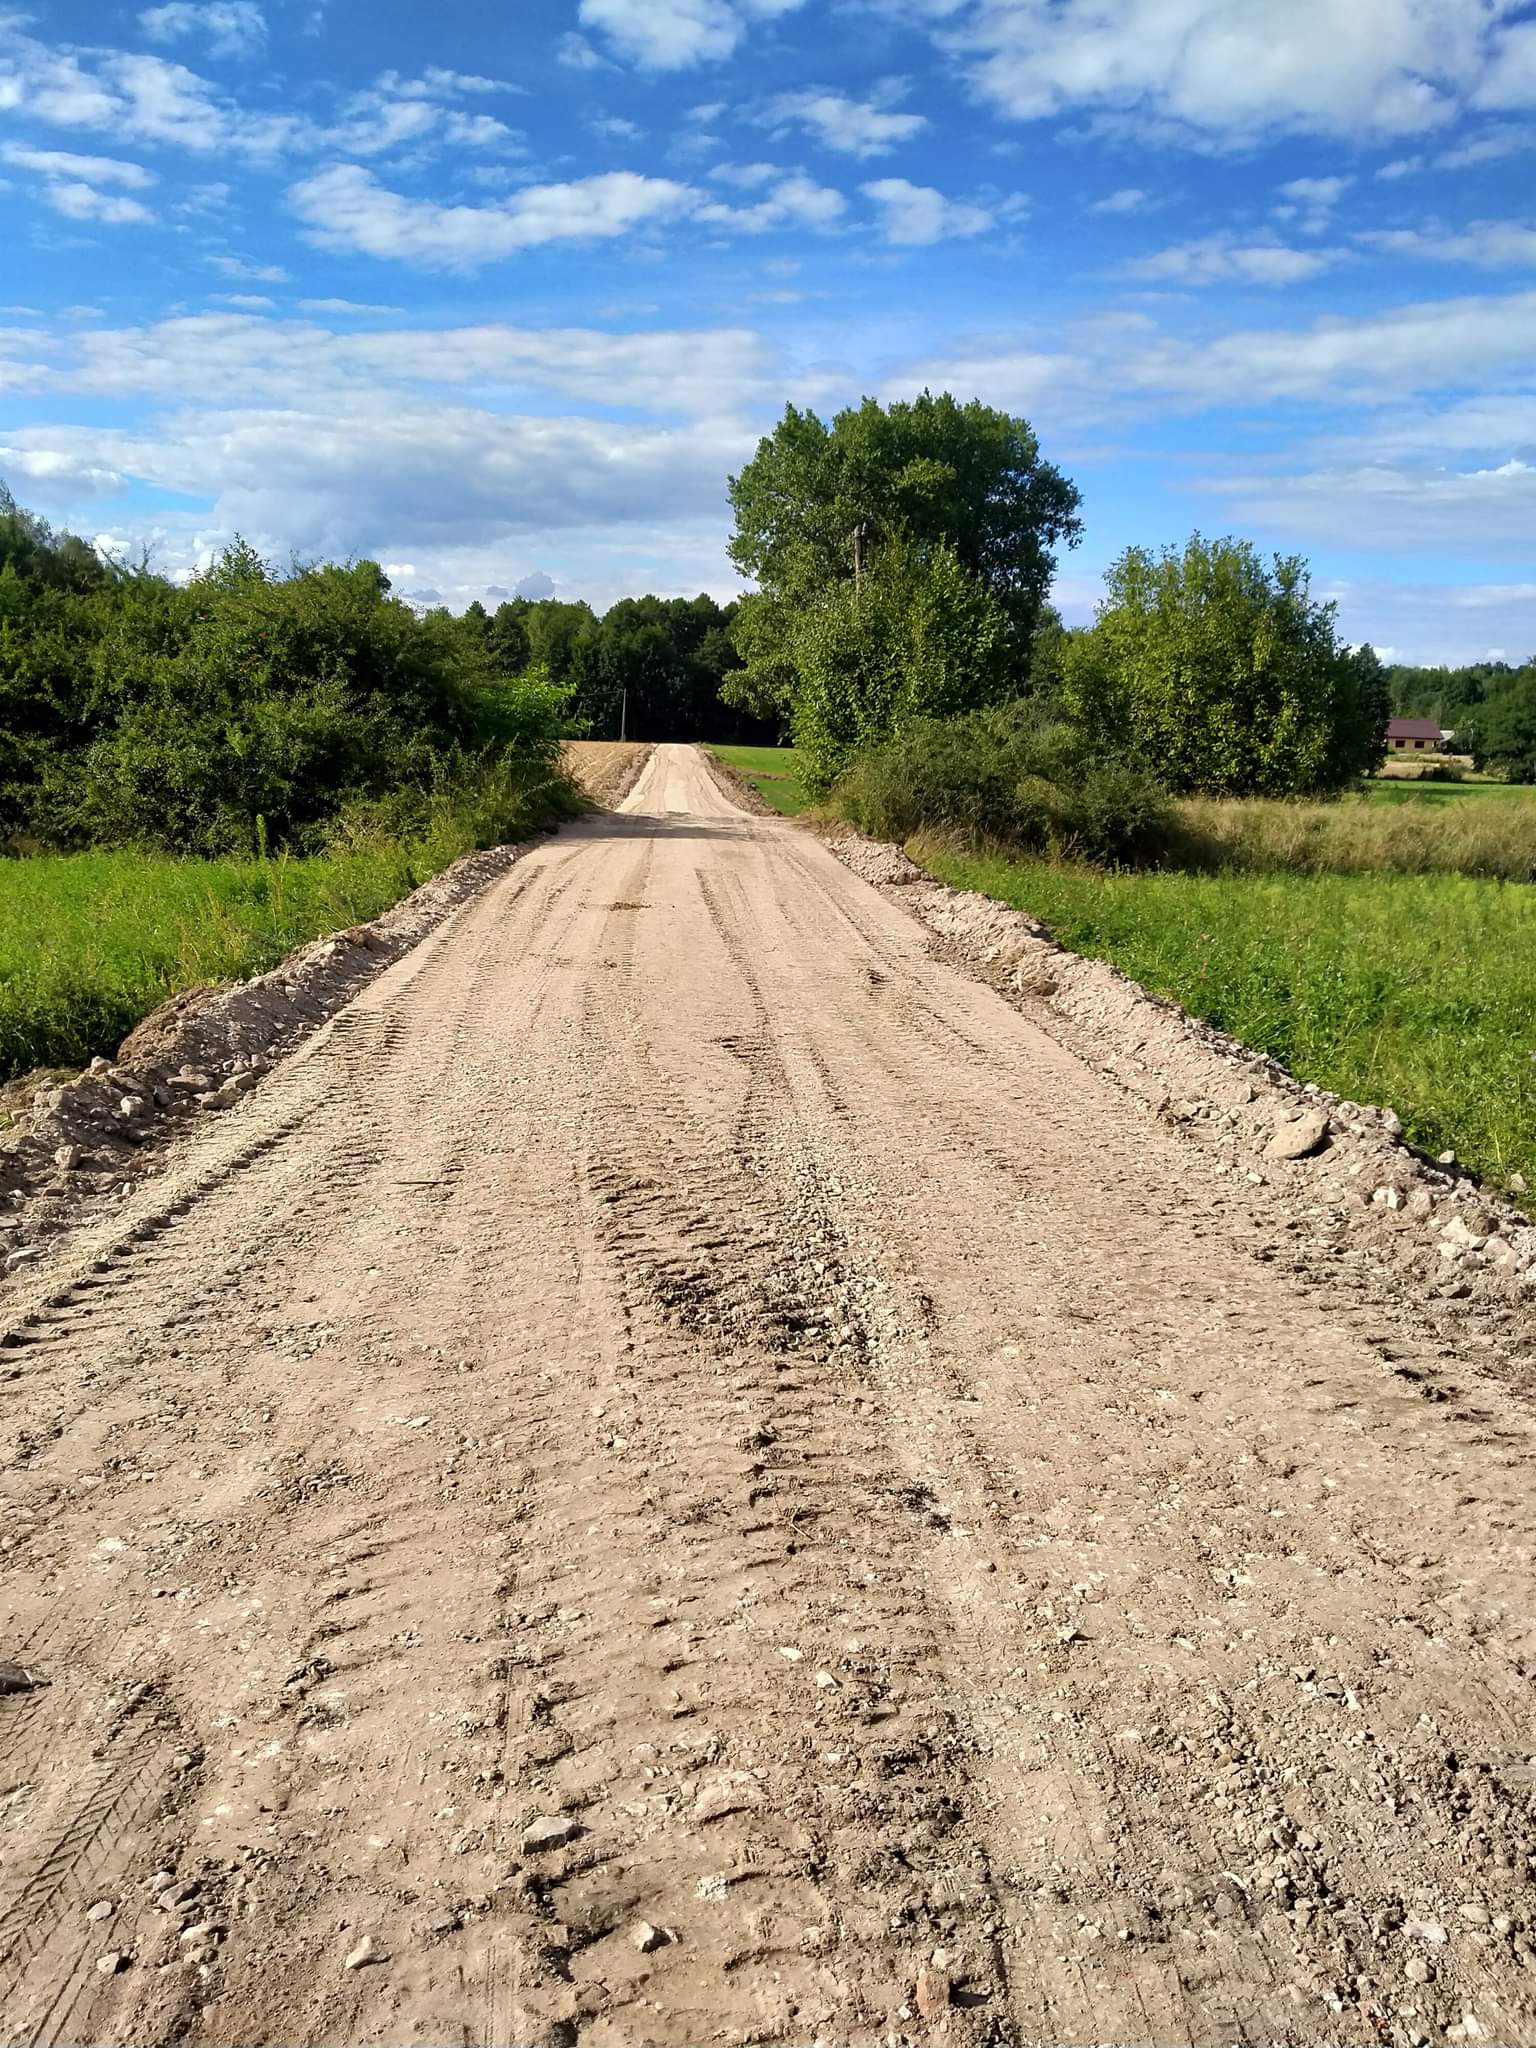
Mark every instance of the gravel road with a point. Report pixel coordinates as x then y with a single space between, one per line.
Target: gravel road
683 1474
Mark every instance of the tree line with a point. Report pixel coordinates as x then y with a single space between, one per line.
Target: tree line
1490 706
255 707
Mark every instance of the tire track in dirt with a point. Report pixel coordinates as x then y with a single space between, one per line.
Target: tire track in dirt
673 1361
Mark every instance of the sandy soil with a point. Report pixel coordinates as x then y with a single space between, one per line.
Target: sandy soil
683 1473
606 769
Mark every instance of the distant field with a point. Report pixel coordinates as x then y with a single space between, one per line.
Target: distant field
1403 790
92 942
772 771
1416 991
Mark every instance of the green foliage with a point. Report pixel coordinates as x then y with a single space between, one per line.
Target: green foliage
1503 730
929 473
244 709
918 637
1228 676
1450 696
1414 991
1016 774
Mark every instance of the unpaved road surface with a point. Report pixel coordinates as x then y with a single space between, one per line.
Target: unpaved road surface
675 1363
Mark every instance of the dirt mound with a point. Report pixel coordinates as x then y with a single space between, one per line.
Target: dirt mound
606 770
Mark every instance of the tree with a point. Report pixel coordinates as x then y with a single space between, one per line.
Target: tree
1504 732
1228 677
917 637
816 501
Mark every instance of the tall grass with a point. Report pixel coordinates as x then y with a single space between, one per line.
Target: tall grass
1417 991
1486 839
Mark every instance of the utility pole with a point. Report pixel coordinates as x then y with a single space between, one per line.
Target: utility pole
623 711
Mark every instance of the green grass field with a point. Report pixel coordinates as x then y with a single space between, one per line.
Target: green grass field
772 772
1417 991
92 942
1402 790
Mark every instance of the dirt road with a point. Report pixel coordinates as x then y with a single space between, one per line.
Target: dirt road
685 1475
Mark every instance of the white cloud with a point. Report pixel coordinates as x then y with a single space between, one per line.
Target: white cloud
917 215
1488 147
747 177
1486 244
1217 70
95 170
794 201
577 54
78 201
1116 367
614 128
253 273
1450 511
232 28
1224 258
345 207
246 302
199 358
147 98
672 35
1512 80
1129 199
351 306
1323 193
860 128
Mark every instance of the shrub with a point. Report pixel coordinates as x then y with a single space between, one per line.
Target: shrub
1012 774
1226 674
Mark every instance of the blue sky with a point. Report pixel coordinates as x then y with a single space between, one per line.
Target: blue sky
501 294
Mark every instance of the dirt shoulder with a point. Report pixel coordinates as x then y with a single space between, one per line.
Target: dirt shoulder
1351 1191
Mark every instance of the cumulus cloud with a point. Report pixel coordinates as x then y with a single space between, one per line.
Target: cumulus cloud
79 201
1129 199
1226 258
861 128
917 215
1206 69
141 97
346 207
673 35
231 28
1485 244
794 201
72 184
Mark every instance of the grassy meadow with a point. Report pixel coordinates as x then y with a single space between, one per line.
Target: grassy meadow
772 772
1413 990
92 942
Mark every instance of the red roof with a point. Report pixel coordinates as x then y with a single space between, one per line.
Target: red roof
1413 728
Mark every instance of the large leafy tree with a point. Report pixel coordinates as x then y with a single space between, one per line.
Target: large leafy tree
817 502
1226 675
916 637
